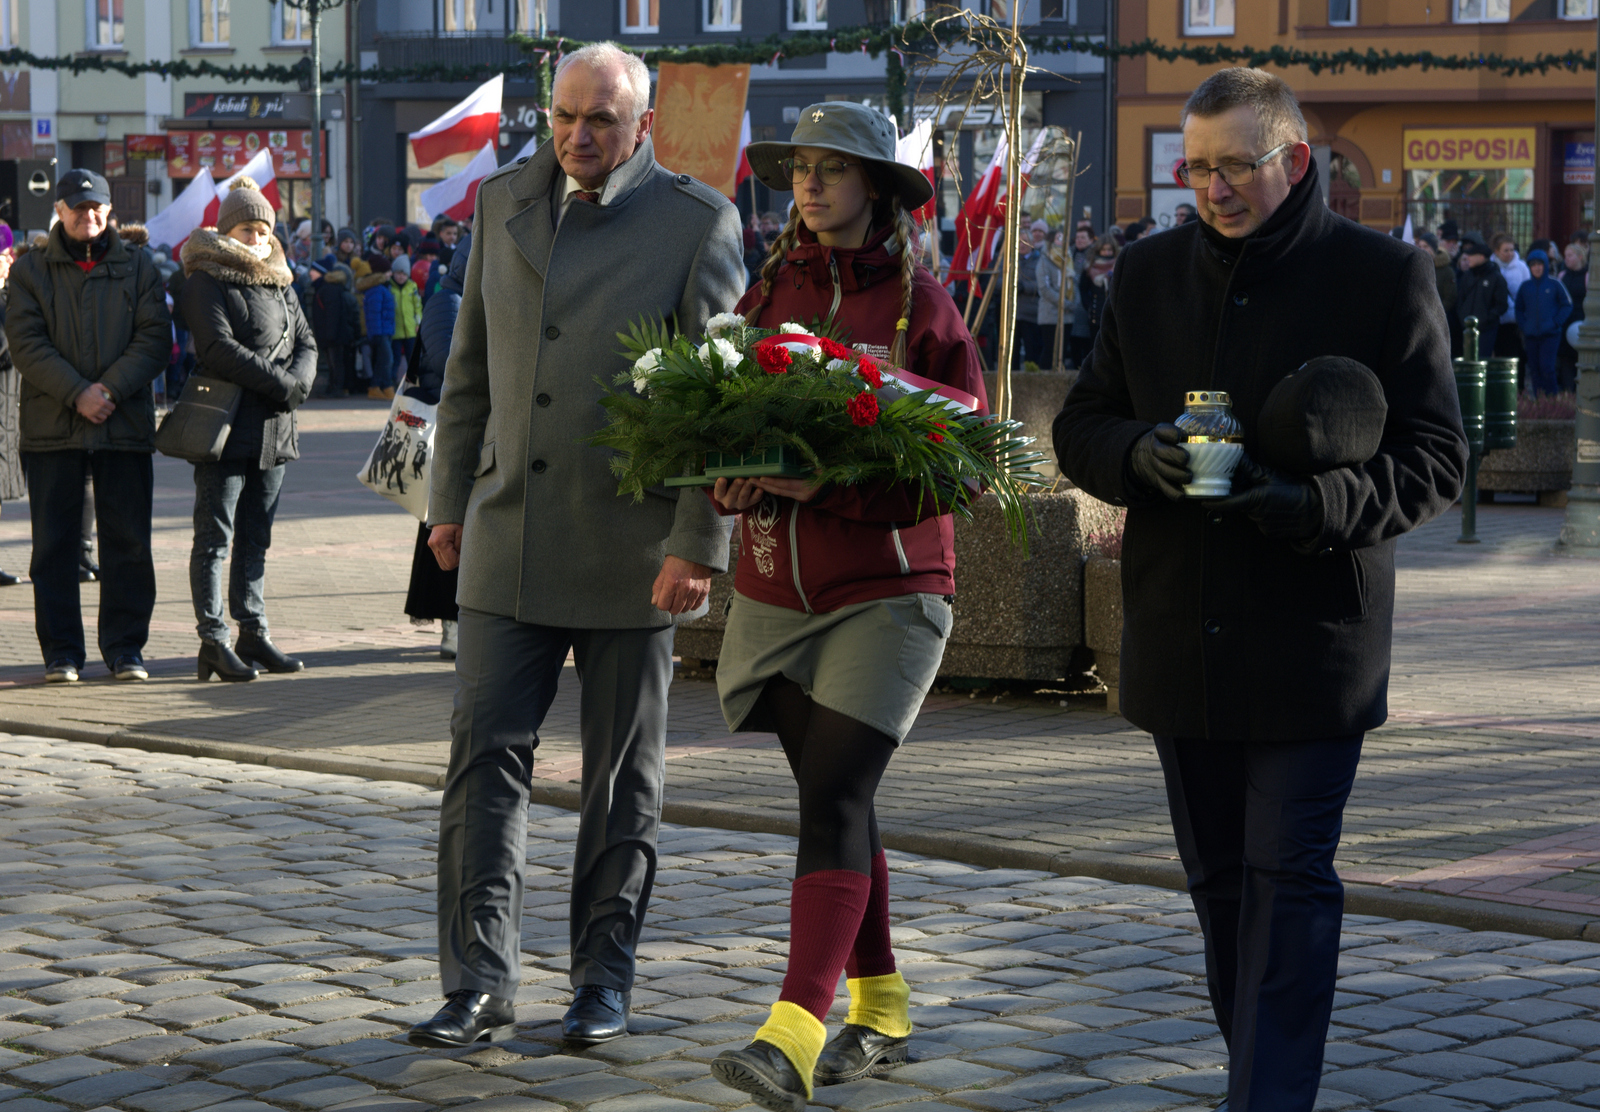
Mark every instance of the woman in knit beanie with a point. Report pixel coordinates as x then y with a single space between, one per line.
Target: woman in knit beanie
248 330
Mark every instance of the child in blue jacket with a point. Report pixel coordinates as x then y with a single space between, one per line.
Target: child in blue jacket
1543 306
377 302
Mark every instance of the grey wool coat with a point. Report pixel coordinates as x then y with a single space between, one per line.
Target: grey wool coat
546 538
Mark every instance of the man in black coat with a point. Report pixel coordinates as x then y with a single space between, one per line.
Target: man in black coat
1257 628
1482 292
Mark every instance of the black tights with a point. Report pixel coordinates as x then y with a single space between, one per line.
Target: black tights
837 763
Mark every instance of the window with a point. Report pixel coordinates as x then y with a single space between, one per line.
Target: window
291 26
805 14
1570 9
105 24
722 15
1211 17
641 16
907 10
530 16
8 23
208 22
458 16
1341 13
1482 11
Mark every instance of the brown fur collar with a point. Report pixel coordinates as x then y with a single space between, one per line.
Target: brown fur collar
228 260
368 281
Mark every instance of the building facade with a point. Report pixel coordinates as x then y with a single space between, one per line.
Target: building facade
1068 92
1493 153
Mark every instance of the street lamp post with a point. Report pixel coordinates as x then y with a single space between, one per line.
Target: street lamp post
1580 536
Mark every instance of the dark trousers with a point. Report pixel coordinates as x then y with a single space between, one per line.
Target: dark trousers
338 383
234 500
1257 825
123 486
1030 345
506 676
1541 355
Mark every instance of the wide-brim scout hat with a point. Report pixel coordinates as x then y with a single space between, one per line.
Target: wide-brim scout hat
850 129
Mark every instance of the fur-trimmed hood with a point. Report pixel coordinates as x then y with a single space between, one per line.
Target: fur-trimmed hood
228 260
369 281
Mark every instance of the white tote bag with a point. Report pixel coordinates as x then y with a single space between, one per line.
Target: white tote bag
402 460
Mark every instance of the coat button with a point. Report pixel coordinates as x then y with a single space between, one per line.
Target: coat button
1241 299
552 332
542 399
1216 519
1213 626
683 179
538 466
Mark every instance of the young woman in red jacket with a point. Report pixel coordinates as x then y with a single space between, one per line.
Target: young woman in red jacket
842 597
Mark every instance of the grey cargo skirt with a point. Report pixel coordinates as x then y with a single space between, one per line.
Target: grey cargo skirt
872 661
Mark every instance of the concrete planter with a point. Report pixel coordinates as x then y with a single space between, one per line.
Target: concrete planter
1102 620
1015 618
1036 398
1541 463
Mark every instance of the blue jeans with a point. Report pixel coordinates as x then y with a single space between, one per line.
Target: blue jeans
1257 825
233 500
381 350
1541 353
123 485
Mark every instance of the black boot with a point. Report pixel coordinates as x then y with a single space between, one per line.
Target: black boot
254 648
469 1017
858 1052
765 1073
222 660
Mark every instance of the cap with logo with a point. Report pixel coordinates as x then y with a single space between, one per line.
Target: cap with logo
78 186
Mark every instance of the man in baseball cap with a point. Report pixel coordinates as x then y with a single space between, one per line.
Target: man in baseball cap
82 187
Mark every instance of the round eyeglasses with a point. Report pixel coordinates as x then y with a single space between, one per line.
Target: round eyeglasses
830 171
1233 173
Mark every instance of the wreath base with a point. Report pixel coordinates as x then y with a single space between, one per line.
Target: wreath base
781 460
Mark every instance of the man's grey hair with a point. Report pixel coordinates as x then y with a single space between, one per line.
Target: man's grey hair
1277 111
608 55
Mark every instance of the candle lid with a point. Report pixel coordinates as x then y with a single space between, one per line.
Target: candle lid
1207 397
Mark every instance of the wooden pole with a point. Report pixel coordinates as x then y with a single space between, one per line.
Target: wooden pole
1067 273
1011 239
972 271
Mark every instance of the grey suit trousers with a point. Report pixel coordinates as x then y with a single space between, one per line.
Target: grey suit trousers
506 677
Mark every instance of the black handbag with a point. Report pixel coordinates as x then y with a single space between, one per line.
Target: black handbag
197 428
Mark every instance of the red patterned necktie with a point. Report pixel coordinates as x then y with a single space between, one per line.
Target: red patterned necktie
590 195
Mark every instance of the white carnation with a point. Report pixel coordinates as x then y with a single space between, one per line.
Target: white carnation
723 323
839 365
791 328
643 367
725 351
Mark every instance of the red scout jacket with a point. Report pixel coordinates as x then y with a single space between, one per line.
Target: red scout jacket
867 541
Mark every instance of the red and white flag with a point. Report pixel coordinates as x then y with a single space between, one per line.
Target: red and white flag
456 195
259 170
981 215
744 170
915 149
173 224
466 127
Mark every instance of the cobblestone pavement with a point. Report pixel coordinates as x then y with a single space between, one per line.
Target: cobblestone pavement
1479 786
181 933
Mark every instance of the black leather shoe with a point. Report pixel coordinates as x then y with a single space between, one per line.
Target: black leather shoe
598 1014
467 1018
88 570
222 660
857 1052
9 580
765 1073
256 649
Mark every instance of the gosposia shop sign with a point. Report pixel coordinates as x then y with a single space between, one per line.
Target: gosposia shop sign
1468 148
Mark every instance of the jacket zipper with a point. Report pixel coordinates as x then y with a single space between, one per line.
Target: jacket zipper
794 557
900 550
838 290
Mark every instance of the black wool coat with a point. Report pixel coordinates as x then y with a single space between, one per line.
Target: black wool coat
238 308
1228 634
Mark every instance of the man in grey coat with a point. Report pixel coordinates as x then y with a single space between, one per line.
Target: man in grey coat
571 245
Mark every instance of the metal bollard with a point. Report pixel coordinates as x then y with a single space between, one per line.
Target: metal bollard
1500 405
1471 386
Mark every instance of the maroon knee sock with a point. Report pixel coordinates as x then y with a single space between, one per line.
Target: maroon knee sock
825 911
872 955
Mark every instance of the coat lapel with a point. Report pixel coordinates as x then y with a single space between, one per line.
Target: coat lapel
530 226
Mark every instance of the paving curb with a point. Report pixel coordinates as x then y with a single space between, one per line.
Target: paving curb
972 849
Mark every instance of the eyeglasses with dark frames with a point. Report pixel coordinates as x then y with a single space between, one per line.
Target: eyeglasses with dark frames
830 171
1233 173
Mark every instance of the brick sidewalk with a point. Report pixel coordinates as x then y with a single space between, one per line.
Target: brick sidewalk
1495 678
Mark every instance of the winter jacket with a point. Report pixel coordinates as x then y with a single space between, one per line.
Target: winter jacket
1516 272
1481 292
1230 634
1048 278
378 304
1093 297
67 329
407 308
1542 304
1444 277
238 308
864 541
1028 286
439 324
333 310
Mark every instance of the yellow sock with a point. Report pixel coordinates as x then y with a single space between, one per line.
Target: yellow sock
797 1033
881 1003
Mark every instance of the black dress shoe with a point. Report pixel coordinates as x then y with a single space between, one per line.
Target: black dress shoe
222 660
467 1018
9 580
765 1073
855 1053
253 648
88 570
598 1014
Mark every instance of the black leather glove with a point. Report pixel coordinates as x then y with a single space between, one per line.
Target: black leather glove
1160 462
1283 507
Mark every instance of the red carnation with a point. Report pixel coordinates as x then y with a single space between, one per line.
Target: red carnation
937 438
774 358
868 370
863 408
833 349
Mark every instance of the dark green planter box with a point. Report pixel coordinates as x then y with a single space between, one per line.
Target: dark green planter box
782 460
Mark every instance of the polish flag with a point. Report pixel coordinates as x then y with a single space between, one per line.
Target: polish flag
187 212
259 170
528 148
456 195
464 128
983 208
915 149
744 170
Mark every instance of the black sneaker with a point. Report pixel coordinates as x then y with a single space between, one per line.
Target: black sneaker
61 671
130 668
